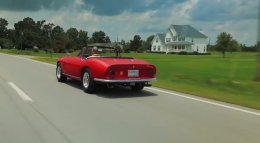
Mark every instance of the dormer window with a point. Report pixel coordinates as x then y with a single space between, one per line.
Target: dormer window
168 39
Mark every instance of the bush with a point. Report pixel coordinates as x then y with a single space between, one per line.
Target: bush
195 53
183 53
6 43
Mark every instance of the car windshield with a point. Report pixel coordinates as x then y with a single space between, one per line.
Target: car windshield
100 51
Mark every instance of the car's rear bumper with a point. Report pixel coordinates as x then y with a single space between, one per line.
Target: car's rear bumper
124 81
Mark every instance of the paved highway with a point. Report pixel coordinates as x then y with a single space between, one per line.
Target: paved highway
35 108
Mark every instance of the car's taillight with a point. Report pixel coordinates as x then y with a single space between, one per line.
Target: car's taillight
110 73
151 70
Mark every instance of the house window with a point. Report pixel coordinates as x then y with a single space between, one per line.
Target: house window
179 47
168 39
183 47
175 47
159 48
154 48
174 38
157 40
181 38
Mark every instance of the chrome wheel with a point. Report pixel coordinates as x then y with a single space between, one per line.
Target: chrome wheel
86 80
58 73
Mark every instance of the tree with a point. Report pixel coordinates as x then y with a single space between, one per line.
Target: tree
99 37
4 41
72 34
234 46
147 44
29 33
225 42
136 43
60 39
107 39
3 28
83 38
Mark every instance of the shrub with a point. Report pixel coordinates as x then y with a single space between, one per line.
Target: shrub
183 53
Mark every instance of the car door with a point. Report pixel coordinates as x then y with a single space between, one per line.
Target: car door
74 65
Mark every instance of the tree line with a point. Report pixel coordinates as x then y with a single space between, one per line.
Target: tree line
226 43
30 34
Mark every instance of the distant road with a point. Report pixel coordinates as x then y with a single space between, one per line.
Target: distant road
35 108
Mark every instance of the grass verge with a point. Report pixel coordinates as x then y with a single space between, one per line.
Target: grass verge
227 79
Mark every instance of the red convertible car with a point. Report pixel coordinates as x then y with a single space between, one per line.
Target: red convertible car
109 70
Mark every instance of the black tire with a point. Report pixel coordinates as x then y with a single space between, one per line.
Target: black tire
60 77
137 86
87 81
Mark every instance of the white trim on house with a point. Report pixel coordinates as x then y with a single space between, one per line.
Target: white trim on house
180 38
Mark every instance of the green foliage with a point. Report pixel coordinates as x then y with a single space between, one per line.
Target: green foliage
99 37
136 43
225 42
147 44
83 38
6 43
3 28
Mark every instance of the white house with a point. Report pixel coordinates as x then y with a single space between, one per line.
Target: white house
180 38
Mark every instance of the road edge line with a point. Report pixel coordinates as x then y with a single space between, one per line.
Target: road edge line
205 101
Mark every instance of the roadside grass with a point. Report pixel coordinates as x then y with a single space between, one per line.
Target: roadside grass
227 79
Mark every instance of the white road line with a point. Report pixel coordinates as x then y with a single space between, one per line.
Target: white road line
20 92
205 101
29 59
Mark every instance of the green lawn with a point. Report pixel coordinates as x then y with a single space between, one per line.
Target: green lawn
227 79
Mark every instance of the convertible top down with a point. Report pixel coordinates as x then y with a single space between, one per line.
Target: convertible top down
110 70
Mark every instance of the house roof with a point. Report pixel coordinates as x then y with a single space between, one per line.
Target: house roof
187 31
161 36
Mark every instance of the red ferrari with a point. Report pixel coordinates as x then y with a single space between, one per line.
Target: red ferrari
109 70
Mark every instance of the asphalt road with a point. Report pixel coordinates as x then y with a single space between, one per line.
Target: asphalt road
35 108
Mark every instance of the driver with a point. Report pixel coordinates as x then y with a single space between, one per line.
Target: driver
94 52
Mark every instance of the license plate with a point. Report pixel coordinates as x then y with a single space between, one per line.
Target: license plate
133 73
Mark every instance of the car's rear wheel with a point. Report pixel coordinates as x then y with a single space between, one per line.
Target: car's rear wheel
87 81
137 86
60 77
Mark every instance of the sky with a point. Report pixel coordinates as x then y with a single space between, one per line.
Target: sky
126 18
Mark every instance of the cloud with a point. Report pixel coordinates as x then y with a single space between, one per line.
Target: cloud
116 7
98 7
32 5
126 18
220 10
